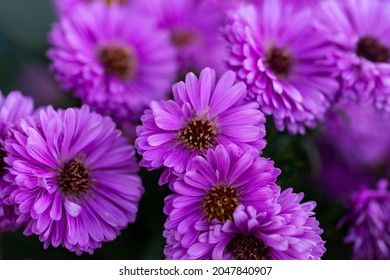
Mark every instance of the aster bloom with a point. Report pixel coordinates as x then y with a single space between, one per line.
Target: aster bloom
194 28
214 187
12 108
74 175
273 49
354 144
8 214
290 232
176 244
66 7
358 133
229 4
111 63
8 217
369 222
174 250
360 30
204 113
297 4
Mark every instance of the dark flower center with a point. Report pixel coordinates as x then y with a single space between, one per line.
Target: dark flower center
247 247
279 61
183 37
119 61
199 134
372 49
220 203
73 179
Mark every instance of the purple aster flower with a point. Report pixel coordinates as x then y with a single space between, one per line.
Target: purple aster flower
369 220
173 249
290 232
66 7
112 63
215 186
177 243
34 78
298 4
226 4
8 214
358 133
74 175
194 28
12 108
204 113
354 145
229 4
360 31
273 49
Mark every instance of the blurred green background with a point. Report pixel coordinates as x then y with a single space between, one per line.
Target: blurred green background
24 25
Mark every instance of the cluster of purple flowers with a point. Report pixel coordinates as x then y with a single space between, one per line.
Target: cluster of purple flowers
355 148
70 175
303 63
226 204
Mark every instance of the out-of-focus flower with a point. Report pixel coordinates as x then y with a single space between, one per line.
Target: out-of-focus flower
359 134
194 28
290 232
215 187
72 177
8 217
369 220
355 148
360 31
230 4
204 113
35 79
112 63
227 4
12 108
66 7
273 49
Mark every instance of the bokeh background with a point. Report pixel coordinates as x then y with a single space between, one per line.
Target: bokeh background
24 25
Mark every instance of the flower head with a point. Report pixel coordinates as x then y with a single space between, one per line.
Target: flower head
174 249
354 145
369 222
218 183
204 113
112 63
194 28
273 49
72 177
8 217
12 108
289 232
230 4
213 189
359 30
66 7
358 133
